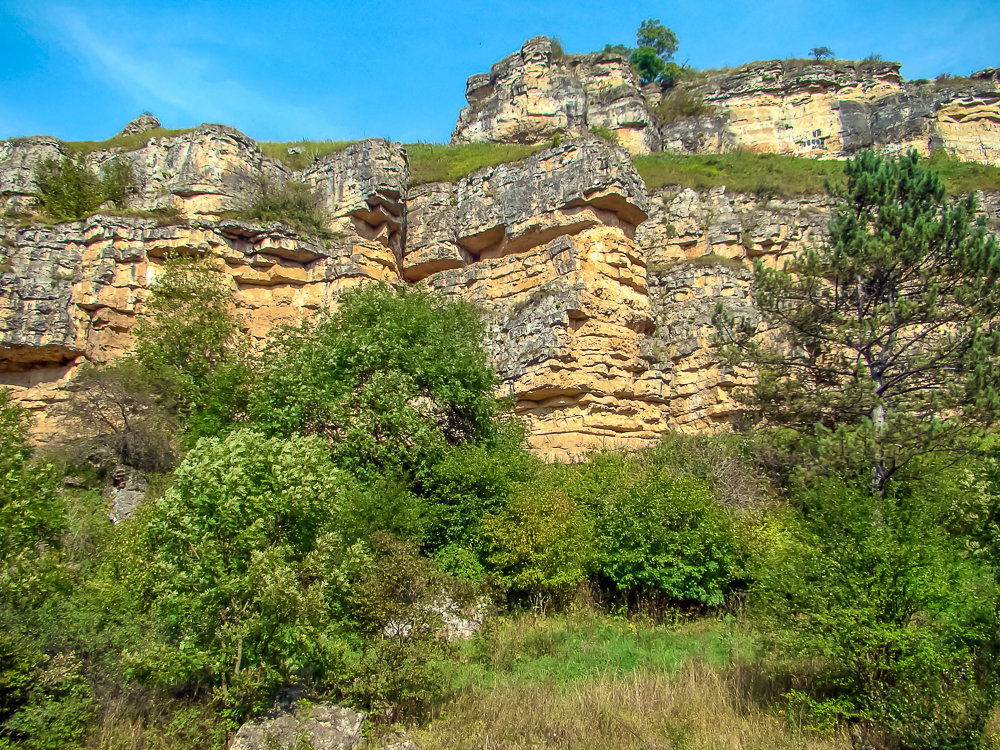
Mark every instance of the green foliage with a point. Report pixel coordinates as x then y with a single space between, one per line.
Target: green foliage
306 152
889 340
656 47
31 514
892 622
789 176
657 532
188 345
606 133
441 162
540 544
391 379
397 604
291 202
471 481
125 143
70 190
821 53
239 578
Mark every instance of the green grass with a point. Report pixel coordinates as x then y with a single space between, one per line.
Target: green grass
125 142
789 176
310 150
562 649
441 162
740 172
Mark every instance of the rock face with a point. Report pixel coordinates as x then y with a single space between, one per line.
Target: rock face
599 297
836 109
806 108
320 727
533 94
141 124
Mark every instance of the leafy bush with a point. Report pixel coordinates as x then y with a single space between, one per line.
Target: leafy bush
189 346
391 379
70 190
540 544
657 533
237 548
891 621
291 202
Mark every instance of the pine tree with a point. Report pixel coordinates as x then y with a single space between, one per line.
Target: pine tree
886 338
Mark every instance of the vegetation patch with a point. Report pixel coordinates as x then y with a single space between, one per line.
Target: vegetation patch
680 103
447 162
291 202
300 154
132 142
790 176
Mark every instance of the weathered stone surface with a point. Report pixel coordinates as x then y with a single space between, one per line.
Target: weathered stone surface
363 187
323 726
511 208
18 159
835 110
72 292
140 124
531 95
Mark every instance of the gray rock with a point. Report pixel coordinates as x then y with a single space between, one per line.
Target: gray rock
140 124
324 726
126 493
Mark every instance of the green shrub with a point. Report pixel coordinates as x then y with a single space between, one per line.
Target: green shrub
391 379
238 549
291 202
189 346
70 190
657 533
540 544
882 612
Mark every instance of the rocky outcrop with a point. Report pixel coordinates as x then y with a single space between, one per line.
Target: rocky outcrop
319 726
141 124
533 94
18 159
836 109
801 107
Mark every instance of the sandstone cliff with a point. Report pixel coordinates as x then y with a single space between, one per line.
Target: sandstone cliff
806 108
599 295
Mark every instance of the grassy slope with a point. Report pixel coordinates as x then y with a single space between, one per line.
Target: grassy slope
125 142
593 681
442 162
309 150
789 176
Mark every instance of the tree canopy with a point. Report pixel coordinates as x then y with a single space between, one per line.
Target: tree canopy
887 336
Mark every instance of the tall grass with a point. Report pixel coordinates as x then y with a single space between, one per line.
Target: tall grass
789 176
590 681
132 142
443 162
307 151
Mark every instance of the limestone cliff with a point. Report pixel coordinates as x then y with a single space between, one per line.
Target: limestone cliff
599 296
806 108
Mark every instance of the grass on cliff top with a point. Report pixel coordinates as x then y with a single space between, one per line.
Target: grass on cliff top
589 680
309 150
444 162
125 142
789 176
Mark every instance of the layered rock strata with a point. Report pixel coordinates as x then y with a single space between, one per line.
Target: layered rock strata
533 94
599 297
806 108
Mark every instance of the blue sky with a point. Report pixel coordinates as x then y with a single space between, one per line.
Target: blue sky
344 70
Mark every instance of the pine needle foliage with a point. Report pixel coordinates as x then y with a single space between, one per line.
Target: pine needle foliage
886 337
